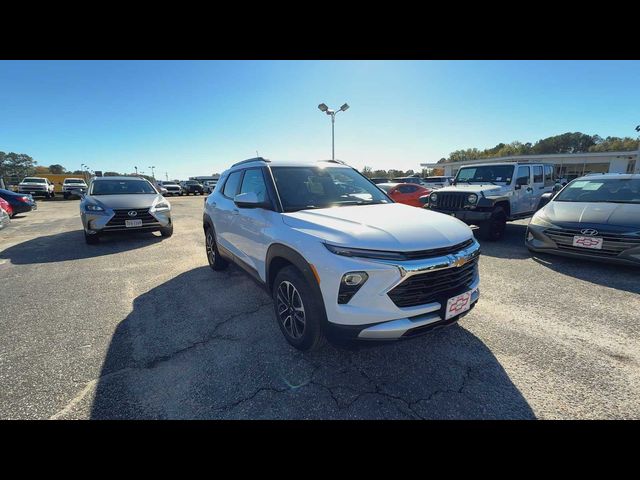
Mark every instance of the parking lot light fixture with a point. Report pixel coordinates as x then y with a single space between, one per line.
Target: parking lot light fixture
332 113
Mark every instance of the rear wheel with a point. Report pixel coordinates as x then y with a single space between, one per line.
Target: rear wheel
216 262
298 310
494 228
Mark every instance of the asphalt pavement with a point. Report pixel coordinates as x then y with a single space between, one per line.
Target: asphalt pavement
140 327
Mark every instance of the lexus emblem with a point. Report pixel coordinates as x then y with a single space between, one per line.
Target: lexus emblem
132 213
589 231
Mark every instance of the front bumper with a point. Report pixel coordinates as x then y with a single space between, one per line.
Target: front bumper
470 217
94 222
371 314
33 193
537 241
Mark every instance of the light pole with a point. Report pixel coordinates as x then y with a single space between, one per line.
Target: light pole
136 169
332 113
152 174
638 155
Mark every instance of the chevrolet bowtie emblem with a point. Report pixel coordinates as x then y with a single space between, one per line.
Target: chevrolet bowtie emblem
458 262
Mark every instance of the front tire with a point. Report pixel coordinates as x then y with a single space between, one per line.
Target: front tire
494 228
167 231
216 262
299 311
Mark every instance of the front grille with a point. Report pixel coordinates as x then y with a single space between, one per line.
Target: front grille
438 252
613 245
436 286
121 215
32 188
450 200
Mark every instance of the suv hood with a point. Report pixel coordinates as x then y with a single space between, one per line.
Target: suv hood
142 200
393 227
615 214
488 189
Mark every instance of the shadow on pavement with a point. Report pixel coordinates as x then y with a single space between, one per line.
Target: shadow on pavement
205 345
511 246
66 246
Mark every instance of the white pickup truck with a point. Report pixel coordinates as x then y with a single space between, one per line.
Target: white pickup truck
37 187
70 184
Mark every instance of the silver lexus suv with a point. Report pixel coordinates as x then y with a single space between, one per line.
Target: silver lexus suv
118 204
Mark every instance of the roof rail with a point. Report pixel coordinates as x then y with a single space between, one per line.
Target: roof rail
334 161
256 159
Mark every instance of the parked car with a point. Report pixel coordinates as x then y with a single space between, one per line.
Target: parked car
73 184
119 204
488 195
435 183
6 206
596 217
416 180
172 187
352 266
5 220
209 185
37 187
407 193
379 180
20 202
192 187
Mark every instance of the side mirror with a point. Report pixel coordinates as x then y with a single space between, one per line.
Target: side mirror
544 199
517 186
249 200
557 187
77 192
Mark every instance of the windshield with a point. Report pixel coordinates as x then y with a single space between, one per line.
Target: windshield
34 180
486 174
169 184
618 190
121 187
303 188
193 183
73 181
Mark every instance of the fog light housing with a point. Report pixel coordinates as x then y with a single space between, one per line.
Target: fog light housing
351 282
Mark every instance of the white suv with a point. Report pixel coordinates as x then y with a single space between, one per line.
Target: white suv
338 256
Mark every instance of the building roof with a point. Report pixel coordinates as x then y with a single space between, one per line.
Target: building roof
541 157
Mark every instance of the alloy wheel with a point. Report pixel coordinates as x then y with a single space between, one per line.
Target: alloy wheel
291 309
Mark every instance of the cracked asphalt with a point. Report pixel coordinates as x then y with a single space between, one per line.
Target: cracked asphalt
140 327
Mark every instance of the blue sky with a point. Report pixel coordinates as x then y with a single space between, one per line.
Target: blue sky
192 118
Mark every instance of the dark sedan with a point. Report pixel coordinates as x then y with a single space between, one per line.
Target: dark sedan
20 202
595 217
193 187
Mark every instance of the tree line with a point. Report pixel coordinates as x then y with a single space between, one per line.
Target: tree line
570 142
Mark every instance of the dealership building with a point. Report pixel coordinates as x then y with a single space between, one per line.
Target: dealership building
567 165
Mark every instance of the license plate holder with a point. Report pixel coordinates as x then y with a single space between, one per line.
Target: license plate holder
458 304
133 223
595 243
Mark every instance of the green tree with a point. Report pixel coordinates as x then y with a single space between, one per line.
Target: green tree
367 172
57 168
111 174
16 164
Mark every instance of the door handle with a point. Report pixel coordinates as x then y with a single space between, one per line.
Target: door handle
529 189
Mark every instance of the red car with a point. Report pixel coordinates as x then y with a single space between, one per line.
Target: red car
407 193
6 206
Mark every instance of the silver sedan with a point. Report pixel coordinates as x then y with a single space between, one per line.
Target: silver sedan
123 204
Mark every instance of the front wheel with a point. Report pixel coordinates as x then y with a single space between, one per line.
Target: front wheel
167 231
494 228
298 310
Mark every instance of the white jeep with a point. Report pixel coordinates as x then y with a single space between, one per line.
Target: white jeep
337 255
488 195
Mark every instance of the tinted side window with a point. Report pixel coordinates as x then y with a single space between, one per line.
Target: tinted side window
232 184
253 181
537 174
406 189
548 176
523 176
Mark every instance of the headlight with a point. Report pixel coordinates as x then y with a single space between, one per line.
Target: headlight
161 206
93 208
362 253
433 198
472 198
541 220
